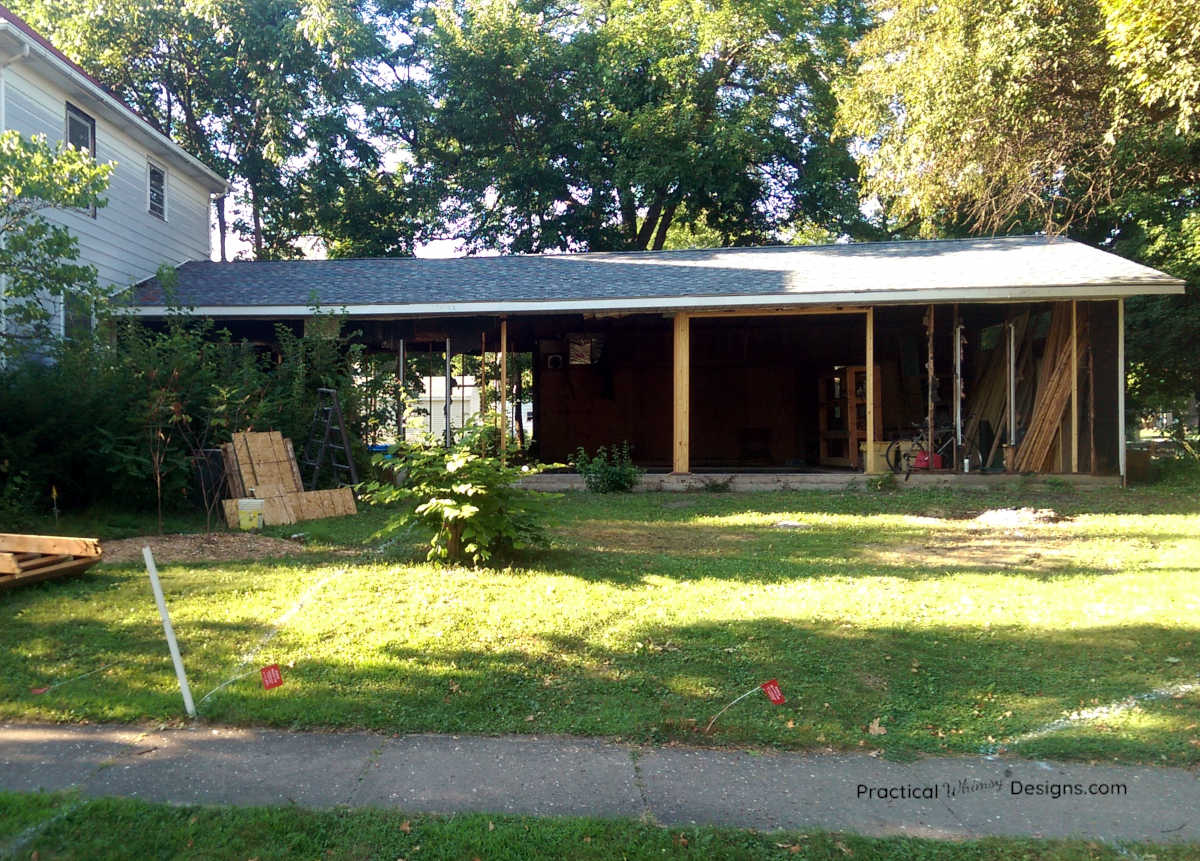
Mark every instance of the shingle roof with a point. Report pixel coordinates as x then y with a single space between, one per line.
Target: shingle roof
1021 268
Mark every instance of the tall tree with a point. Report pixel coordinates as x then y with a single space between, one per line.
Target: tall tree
1064 115
250 87
553 126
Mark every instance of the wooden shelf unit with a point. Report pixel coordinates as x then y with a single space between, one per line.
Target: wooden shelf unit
842 413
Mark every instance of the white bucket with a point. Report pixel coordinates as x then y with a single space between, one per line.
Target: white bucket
250 513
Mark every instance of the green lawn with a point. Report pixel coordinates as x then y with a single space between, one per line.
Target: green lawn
134 829
651 611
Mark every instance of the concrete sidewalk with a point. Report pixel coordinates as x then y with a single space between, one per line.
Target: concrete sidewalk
556 776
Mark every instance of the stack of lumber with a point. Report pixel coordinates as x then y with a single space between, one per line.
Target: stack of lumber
263 466
30 558
1054 386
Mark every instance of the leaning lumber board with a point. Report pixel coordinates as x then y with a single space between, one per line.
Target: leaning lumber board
231 513
233 474
291 457
52 544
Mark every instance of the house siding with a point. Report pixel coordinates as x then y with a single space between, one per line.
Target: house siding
125 242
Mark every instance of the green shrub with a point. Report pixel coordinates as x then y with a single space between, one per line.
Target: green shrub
466 499
91 416
609 471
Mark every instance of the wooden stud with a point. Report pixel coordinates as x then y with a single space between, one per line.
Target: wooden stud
1074 386
958 387
1121 388
503 390
401 366
872 464
1011 404
682 394
930 378
448 410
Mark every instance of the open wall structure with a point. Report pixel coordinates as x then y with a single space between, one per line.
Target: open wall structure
1008 352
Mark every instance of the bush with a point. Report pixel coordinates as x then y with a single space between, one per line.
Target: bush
466 499
92 416
609 471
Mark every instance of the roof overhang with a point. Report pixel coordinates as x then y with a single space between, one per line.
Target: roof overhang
674 304
16 42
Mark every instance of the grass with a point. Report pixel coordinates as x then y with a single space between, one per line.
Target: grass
653 610
122 828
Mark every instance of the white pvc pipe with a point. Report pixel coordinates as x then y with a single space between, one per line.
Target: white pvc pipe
170 632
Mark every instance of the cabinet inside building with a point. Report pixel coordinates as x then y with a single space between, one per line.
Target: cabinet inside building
843 416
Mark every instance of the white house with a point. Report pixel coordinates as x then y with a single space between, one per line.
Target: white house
159 196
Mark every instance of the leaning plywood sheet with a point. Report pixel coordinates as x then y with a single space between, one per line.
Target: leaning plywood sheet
30 558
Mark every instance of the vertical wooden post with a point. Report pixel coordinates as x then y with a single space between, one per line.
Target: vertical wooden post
929 385
682 396
482 381
958 387
1012 386
503 390
1121 387
448 406
401 363
1074 386
872 465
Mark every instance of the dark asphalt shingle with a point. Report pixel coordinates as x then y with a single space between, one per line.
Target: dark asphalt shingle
1007 263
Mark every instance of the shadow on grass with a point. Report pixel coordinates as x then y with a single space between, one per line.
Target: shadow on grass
940 689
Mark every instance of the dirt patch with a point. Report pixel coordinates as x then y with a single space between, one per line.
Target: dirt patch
659 538
974 550
211 547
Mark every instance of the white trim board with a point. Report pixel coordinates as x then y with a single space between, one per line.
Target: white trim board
1090 292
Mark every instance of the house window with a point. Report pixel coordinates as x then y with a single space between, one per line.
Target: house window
81 134
77 317
81 130
156 190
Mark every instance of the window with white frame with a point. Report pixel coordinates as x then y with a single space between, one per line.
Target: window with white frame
81 134
156 190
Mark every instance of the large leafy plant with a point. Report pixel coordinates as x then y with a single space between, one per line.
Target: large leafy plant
465 496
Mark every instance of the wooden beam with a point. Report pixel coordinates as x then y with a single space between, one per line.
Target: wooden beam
401 363
1074 386
51 544
810 311
1011 404
930 381
958 388
448 406
1121 388
872 464
503 390
682 394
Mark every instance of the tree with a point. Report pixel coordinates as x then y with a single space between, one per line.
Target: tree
1071 116
550 126
38 259
250 87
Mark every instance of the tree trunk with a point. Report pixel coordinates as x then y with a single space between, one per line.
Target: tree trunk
222 227
660 236
648 224
256 213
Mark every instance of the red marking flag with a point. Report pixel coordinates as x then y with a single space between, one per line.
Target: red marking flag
36 691
774 694
271 677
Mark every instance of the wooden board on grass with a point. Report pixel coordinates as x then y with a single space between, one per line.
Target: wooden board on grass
30 558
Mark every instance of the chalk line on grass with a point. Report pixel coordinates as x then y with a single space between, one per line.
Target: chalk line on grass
1113 709
49 688
270 635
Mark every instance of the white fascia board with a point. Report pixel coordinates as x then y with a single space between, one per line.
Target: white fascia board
216 183
684 303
